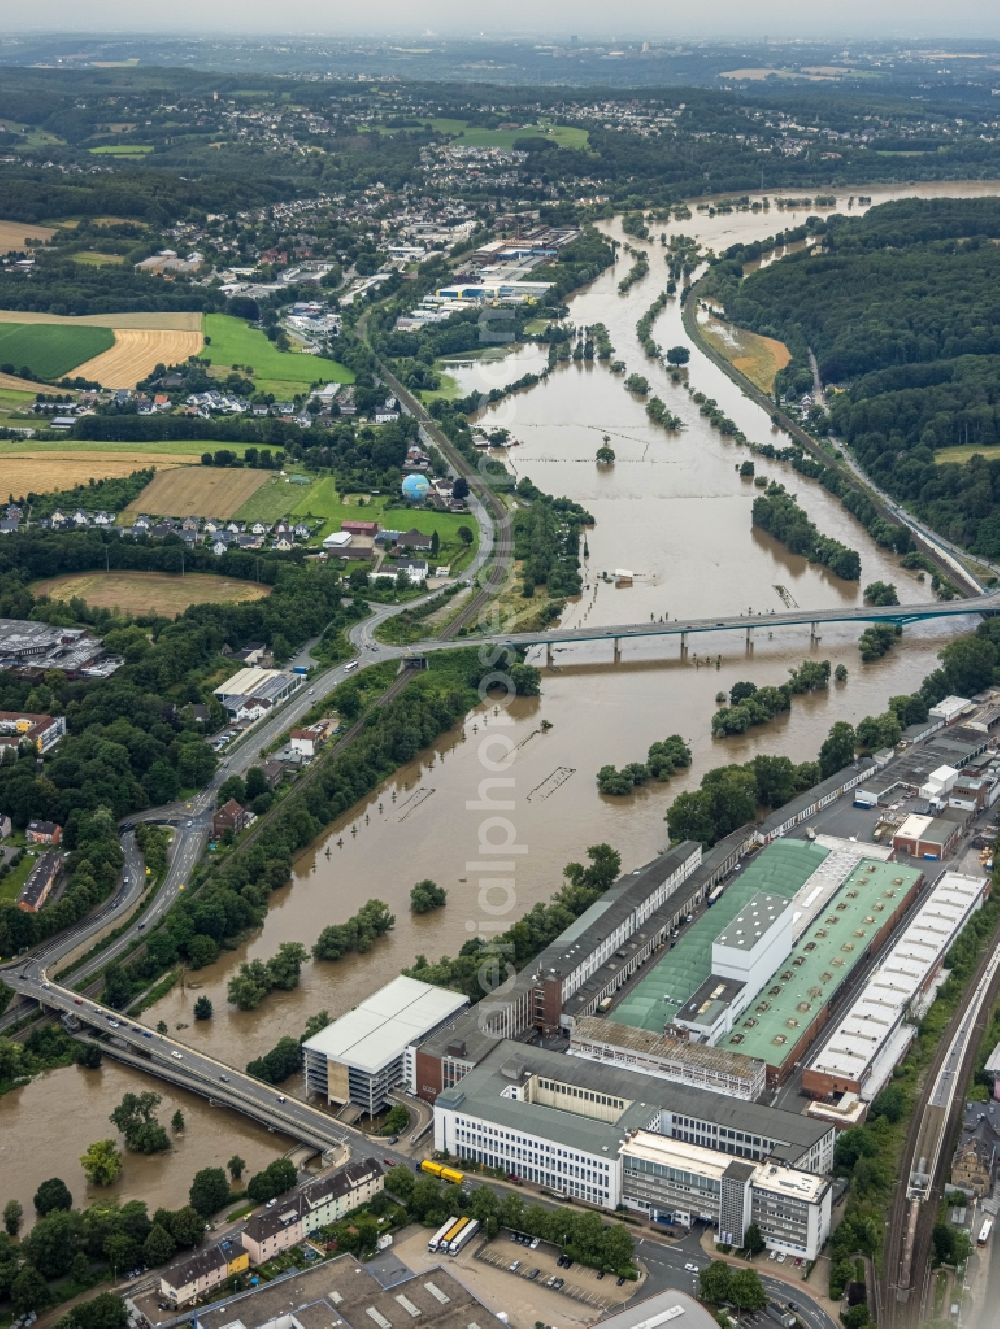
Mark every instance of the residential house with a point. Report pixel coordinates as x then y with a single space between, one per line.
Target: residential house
41 879
414 542
43 832
232 816
197 1275
314 1206
308 741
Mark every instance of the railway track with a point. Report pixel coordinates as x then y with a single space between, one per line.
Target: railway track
907 1265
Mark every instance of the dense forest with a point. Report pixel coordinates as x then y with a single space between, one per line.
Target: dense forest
901 311
133 740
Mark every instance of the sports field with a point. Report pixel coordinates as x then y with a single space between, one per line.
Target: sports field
198 491
13 235
144 592
121 150
51 352
231 341
32 471
96 258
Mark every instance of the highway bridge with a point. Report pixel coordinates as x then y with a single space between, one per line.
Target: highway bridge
617 633
178 1063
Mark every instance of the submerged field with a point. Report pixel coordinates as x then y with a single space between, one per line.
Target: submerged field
758 358
138 593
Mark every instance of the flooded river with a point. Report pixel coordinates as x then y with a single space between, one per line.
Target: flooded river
674 511
47 1125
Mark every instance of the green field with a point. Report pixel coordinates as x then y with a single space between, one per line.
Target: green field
477 136
322 501
122 150
94 259
10 887
956 456
235 342
188 447
51 350
448 389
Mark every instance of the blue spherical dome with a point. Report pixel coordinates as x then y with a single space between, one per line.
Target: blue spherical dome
416 488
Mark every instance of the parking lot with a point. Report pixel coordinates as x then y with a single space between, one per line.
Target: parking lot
525 1300
539 1266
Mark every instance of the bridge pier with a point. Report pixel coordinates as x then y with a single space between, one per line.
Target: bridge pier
814 637
549 657
749 643
684 646
618 650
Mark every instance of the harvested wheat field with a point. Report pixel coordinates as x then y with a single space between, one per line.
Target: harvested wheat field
176 320
136 353
198 491
138 593
45 472
14 233
15 384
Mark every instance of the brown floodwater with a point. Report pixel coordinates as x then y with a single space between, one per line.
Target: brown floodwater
672 510
47 1125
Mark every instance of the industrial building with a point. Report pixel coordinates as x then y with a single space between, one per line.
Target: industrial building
674 1059
926 837
251 692
792 1006
681 1184
561 1122
780 871
33 648
368 1052
858 1056
578 973
343 1294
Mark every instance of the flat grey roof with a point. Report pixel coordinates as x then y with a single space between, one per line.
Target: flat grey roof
480 1093
756 918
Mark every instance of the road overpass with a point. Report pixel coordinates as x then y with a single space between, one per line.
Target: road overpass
617 633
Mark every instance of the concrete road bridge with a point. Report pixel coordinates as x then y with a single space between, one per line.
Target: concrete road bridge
618 633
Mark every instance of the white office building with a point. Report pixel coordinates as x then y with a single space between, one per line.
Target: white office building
682 1184
369 1051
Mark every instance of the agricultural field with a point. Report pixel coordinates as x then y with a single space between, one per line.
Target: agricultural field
175 452
52 352
759 358
121 150
165 320
33 471
478 136
14 233
198 491
164 593
958 456
231 341
135 354
115 350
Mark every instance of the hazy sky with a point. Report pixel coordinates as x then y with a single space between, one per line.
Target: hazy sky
652 18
